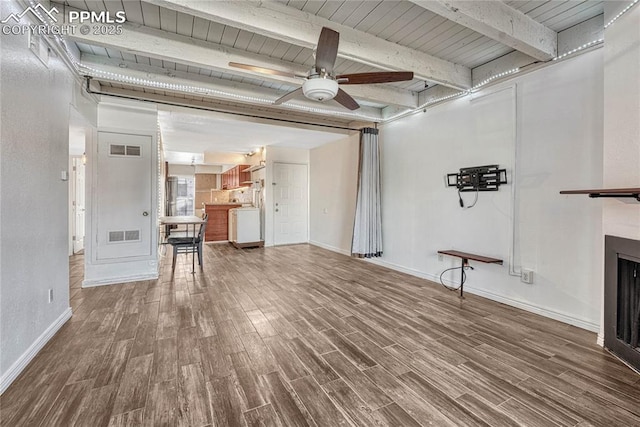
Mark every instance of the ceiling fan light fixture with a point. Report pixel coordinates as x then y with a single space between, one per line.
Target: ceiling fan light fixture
320 89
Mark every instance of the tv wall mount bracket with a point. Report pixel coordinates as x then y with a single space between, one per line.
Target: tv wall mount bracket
478 178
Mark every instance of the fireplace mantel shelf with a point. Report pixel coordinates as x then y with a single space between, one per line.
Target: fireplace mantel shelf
608 192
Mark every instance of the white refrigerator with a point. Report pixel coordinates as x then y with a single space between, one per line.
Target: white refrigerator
244 227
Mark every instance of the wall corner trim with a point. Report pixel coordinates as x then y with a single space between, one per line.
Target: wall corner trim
22 362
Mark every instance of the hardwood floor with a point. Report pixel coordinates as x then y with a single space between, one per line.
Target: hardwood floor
300 336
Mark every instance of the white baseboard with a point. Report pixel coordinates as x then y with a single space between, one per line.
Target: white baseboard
22 362
329 247
562 317
600 340
90 283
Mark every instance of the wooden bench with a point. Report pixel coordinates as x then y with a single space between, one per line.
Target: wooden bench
465 262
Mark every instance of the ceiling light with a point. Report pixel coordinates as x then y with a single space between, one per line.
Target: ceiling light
320 89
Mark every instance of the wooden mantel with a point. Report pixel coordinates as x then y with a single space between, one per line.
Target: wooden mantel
608 192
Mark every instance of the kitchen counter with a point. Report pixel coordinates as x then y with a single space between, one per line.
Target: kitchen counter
223 204
218 224
234 204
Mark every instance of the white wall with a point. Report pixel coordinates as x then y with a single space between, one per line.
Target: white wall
555 114
34 213
621 160
333 186
622 118
274 154
182 170
133 117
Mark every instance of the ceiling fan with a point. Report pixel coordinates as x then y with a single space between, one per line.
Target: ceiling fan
320 83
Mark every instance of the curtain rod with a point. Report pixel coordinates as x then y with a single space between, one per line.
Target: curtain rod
175 104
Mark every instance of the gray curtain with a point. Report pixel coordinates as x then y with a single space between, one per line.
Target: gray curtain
367 229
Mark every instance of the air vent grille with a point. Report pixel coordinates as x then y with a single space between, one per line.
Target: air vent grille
117 150
132 235
133 150
116 236
125 150
122 236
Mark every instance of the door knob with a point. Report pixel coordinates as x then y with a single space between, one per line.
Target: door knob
145 213
276 209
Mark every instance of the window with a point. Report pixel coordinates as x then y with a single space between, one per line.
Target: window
185 196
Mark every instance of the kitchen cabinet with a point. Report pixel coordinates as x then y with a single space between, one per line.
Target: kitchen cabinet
235 177
218 223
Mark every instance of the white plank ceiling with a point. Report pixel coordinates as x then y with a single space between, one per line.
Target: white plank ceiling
404 24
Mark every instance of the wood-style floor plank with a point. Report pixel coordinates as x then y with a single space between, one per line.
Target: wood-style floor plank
193 405
283 402
132 393
359 382
321 408
300 336
162 408
225 402
264 416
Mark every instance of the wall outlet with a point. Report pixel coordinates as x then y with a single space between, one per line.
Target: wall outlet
50 295
440 257
526 276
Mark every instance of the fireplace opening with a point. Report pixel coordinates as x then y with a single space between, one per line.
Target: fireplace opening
628 328
622 299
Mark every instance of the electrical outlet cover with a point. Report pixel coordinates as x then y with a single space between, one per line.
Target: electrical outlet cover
527 276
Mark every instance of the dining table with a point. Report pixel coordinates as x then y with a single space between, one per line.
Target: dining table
188 221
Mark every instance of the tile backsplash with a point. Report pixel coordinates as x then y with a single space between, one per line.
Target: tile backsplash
223 196
219 196
241 196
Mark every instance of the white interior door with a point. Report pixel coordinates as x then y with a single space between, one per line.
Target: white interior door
79 205
124 205
290 203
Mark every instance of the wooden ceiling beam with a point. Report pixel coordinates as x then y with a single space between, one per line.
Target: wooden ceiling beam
499 22
158 44
211 87
278 21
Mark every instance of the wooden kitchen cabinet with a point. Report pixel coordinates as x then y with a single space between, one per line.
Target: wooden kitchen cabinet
234 177
218 223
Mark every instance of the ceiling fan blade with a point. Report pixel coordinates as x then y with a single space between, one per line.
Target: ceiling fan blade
346 100
327 50
263 70
288 96
379 77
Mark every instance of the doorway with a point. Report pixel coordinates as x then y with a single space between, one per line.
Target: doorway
290 203
79 138
78 204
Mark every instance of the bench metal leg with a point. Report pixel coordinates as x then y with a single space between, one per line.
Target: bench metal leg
465 261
